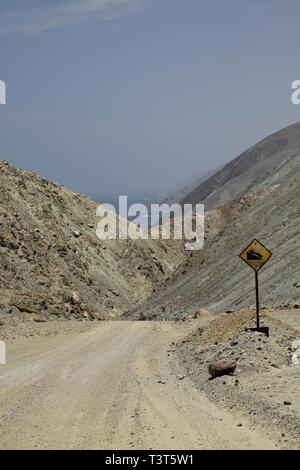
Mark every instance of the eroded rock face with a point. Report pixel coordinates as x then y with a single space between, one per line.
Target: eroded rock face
51 261
221 367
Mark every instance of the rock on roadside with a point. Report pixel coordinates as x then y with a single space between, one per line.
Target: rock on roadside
221 367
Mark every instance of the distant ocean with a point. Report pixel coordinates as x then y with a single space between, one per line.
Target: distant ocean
147 200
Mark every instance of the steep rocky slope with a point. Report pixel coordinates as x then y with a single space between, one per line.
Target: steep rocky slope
51 261
252 166
266 206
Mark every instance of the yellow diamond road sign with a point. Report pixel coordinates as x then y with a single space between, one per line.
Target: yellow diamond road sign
256 255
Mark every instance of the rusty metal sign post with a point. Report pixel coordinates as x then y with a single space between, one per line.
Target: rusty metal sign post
256 255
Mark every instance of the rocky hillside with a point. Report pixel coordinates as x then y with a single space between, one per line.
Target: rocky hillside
255 195
234 179
51 262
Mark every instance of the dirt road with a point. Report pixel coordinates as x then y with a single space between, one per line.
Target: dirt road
113 387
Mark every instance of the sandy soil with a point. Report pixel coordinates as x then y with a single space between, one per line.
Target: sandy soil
265 385
115 386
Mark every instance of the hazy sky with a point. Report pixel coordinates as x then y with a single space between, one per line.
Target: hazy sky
134 96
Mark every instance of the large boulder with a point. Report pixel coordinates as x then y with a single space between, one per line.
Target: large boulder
202 312
75 298
221 367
